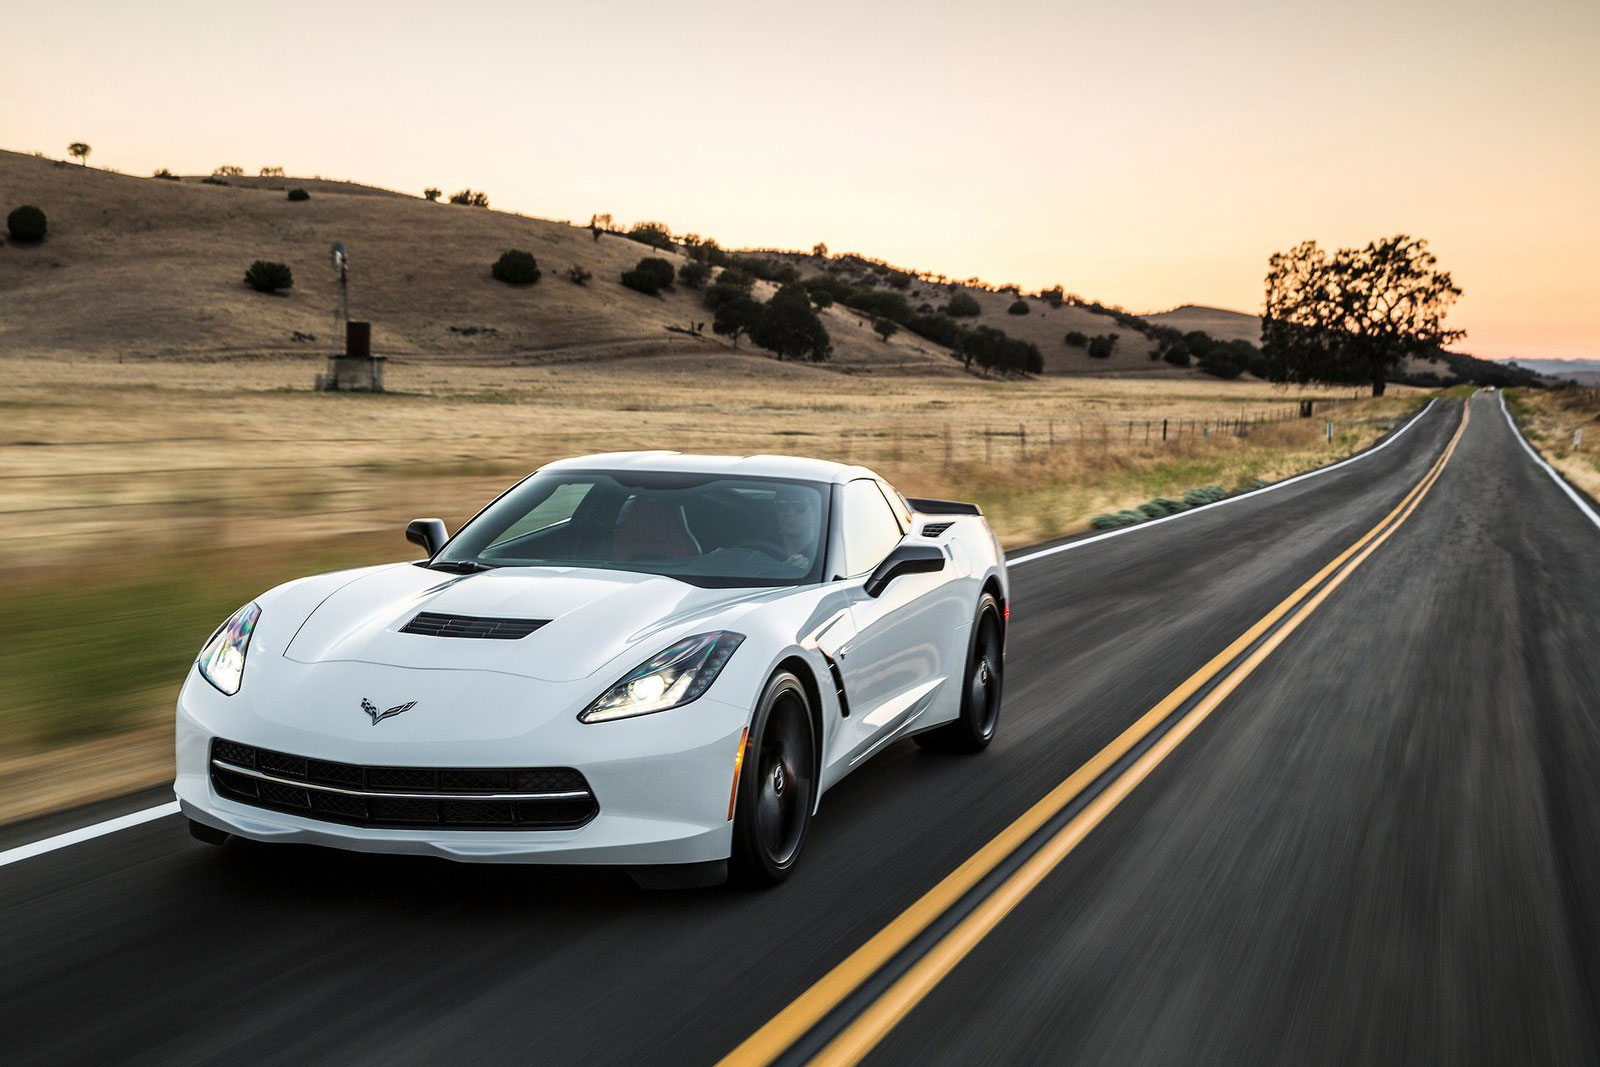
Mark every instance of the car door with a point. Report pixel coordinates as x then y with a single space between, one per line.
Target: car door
896 659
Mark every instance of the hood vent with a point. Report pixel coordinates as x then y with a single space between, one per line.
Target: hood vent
431 624
934 529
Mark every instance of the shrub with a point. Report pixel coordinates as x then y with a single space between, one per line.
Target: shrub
1151 510
880 304
1249 485
265 277
26 223
651 275
577 275
166 175
1169 506
821 298
1102 346
654 234
515 267
299 194
1115 519
694 274
1205 494
1053 297
1076 339
470 198
432 194
963 306
731 287
940 329
212 179
885 328
1018 306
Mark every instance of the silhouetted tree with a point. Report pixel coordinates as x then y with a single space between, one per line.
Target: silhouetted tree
432 194
1355 315
228 170
885 328
820 249
599 224
79 151
470 198
789 327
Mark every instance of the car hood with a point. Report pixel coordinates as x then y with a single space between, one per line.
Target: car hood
594 617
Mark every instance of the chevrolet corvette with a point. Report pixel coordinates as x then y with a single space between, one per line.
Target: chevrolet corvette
647 659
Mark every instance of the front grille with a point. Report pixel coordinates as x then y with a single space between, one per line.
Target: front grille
433 624
402 797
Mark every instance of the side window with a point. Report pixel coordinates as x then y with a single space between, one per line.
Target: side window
897 503
868 528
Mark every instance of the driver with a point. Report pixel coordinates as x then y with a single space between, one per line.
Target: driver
797 525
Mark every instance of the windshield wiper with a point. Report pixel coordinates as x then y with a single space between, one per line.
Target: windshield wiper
460 566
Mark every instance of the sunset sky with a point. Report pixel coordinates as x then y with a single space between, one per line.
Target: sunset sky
1145 154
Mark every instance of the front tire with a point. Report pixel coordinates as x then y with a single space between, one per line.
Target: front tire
777 785
982 686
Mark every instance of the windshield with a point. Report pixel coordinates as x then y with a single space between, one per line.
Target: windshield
704 529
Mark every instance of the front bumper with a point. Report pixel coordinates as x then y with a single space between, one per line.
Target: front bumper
662 782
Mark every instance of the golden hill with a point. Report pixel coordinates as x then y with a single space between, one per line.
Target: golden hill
140 267
1219 323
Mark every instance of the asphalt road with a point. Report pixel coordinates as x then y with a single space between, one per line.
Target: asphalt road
1383 846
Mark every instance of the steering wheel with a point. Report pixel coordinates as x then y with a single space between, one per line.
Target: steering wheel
765 547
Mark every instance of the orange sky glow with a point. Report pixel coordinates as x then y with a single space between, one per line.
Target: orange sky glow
1146 154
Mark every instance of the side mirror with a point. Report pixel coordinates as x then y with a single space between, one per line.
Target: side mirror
907 559
429 533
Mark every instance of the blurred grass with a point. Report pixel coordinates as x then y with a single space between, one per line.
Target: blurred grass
97 651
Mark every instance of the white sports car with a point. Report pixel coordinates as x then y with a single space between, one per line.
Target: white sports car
647 659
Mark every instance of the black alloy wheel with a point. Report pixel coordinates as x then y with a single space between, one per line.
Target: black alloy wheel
982 687
777 785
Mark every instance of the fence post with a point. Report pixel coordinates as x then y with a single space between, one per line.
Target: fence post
1163 429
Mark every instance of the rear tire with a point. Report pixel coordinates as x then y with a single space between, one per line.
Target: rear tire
981 687
209 834
777 786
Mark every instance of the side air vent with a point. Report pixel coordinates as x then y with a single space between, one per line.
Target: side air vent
934 529
430 624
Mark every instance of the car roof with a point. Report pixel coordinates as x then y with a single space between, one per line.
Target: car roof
796 467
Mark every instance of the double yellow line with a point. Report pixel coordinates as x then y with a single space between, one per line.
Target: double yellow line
862 1033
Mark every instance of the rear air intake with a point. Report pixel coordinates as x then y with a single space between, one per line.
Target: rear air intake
431 624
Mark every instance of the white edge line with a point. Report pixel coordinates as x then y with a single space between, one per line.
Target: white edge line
161 811
1136 527
1583 505
87 833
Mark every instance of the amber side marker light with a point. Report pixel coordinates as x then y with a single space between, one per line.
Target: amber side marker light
738 762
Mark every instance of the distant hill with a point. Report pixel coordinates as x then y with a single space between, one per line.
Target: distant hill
1218 323
1582 371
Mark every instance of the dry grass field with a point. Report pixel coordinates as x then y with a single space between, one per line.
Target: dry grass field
1564 425
148 499
163 458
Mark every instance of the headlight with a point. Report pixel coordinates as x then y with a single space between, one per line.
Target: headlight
673 678
222 660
